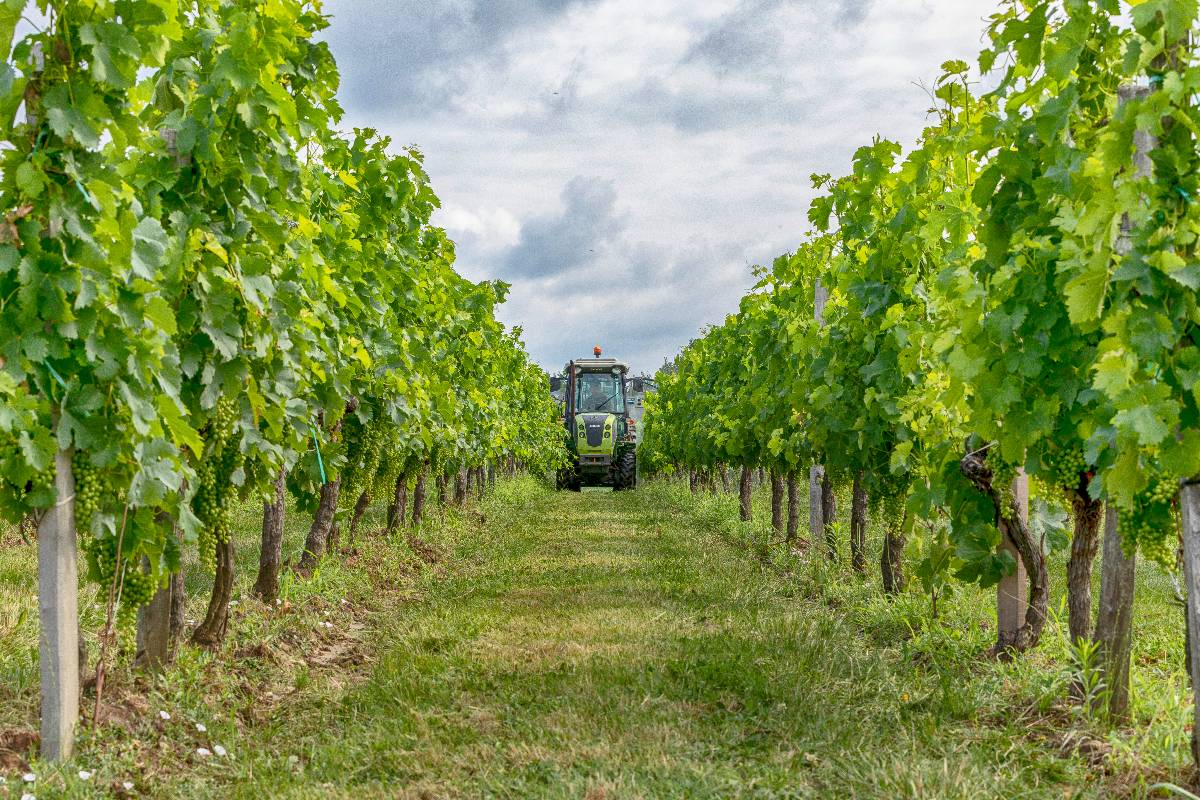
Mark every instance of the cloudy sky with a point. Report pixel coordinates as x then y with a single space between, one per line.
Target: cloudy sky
624 163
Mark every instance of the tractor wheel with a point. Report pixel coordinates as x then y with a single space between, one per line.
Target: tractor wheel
625 471
567 479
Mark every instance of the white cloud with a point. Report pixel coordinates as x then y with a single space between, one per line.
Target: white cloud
704 117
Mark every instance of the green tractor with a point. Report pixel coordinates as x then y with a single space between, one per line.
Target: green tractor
600 432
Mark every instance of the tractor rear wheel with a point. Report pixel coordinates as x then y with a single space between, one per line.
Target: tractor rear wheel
625 471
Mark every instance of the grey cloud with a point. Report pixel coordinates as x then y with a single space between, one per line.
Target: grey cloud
852 12
749 39
652 301
559 242
692 109
411 56
746 38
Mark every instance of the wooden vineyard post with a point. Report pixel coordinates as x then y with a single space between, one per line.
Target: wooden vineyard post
154 642
1189 501
1012 593
154 629
816 473
1114 621
58 608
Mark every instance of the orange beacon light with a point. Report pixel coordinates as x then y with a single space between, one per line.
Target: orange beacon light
596 350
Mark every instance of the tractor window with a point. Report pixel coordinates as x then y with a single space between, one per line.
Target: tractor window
600 391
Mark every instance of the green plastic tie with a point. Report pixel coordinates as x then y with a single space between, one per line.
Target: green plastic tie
320 461
56 376
87 195
1184 194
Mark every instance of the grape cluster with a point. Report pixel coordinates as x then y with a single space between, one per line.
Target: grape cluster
134 587
390 466
364 452
214 491
137 588
1149 524
1003 475
1067 465
87 492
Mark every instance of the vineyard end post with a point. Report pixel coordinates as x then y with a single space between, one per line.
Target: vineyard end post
58 607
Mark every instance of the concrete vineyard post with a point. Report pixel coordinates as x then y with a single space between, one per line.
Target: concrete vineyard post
58 606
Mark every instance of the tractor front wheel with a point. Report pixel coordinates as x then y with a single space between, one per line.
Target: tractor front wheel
625 471
566 479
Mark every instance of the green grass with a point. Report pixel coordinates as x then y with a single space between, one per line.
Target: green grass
604 645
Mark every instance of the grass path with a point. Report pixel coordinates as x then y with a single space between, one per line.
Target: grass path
612 646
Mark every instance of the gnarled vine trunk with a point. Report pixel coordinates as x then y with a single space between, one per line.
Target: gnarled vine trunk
858 525
744 494
360 509
829 514
418 510
399 505
776 502
460 487
322 527
1012 523
270 553
1084 543
891 559
211 631
793 507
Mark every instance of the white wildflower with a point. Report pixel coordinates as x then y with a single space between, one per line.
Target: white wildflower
85 775
127 786
164 716
29 777
203 752
221 751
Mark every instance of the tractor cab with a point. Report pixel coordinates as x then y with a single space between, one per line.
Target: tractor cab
600 433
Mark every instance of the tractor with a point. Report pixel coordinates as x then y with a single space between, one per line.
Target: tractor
601 435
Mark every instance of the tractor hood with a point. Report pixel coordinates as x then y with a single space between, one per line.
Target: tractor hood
597 432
